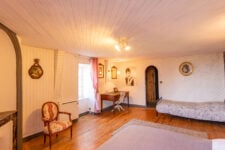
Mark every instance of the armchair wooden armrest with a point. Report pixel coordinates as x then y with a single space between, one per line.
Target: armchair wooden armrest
66 113
45 120
62 112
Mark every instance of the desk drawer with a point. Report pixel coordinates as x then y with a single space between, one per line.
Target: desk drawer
110 97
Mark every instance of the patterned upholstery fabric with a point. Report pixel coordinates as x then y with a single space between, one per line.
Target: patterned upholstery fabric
50 111
50 115
56 126
211 111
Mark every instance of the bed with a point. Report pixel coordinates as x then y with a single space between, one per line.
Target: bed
210 111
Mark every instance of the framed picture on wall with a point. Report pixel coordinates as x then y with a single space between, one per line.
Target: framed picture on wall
100 70
186 68
129 79
114 72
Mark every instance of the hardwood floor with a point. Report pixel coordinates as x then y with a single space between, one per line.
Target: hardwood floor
90 131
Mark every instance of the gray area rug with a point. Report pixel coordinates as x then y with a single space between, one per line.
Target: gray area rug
162 126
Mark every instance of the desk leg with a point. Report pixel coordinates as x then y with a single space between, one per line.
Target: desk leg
128 101
101 104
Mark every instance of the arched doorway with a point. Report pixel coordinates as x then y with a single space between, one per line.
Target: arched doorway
17 140
151 82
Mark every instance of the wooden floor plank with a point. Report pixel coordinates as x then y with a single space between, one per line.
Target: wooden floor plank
90 131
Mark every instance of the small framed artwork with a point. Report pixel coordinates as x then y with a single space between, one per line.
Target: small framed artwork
35 70
100 70
186 68
114 72
129 79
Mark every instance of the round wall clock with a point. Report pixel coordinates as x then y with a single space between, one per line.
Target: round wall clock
35 70
186 68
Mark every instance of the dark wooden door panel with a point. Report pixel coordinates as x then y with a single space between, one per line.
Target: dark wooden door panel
151 86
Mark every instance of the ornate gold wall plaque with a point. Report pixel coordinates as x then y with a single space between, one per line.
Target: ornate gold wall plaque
35 70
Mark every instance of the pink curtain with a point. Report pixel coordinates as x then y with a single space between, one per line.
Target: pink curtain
94 77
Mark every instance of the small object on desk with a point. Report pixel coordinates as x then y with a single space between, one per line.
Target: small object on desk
115 90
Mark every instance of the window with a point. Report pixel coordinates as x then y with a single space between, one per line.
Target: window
84 81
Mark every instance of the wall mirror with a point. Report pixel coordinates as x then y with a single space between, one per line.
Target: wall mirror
100 70
114 72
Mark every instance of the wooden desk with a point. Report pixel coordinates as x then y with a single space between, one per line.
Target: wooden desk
112 96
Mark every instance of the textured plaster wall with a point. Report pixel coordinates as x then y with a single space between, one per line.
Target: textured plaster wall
205 84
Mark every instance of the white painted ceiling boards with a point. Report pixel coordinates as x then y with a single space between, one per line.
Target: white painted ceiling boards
155 28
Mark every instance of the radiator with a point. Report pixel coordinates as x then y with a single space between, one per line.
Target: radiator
84 105
71 107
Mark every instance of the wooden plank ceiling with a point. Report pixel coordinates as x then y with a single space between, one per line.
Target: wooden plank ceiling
154 28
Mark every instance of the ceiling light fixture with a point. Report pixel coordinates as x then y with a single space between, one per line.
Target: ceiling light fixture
122 44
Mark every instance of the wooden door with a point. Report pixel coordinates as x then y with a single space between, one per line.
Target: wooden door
151 86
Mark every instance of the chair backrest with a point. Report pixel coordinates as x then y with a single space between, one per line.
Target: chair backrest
122 94
115 90
50 111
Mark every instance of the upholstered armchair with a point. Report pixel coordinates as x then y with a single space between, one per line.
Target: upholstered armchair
52 124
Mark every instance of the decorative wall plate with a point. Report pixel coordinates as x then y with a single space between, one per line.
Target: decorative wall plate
186 68
35 70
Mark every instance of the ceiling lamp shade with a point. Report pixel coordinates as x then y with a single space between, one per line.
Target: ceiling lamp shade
122 44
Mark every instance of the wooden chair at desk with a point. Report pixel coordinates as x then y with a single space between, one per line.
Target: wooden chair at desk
118 105
124 94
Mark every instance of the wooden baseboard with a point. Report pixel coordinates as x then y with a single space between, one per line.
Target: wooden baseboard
123 104
83 114
104 109
135 105
32 136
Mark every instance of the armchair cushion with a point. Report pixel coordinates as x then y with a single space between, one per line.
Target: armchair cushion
56 126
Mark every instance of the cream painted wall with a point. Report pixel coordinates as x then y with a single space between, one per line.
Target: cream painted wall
70 76
205 84
66 77
36 91
58 83
7 73
66 81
